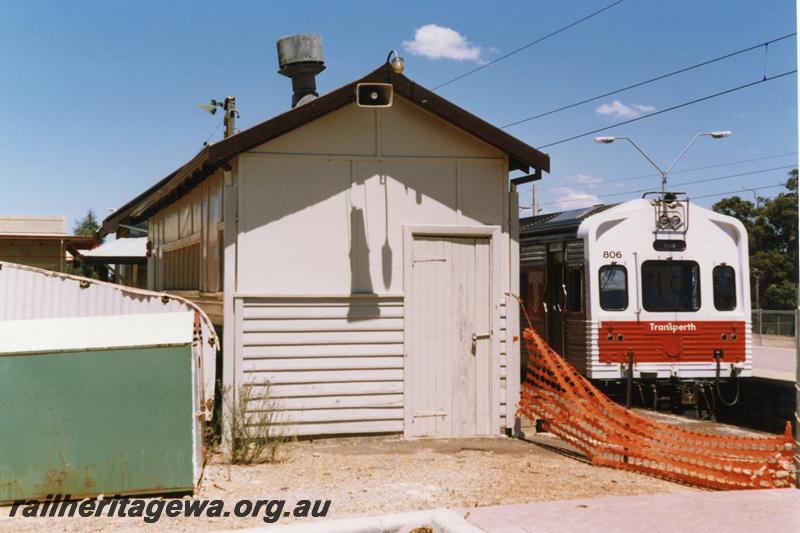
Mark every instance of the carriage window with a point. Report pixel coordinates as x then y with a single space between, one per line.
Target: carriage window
574 289
613 287
671 285
724 288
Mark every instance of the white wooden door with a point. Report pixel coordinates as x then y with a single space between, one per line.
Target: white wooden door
448 342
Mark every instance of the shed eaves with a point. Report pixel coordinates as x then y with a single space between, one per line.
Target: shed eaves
212 157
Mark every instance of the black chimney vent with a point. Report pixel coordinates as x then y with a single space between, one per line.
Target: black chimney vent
300 58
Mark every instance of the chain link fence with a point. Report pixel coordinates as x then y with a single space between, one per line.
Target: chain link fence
771 325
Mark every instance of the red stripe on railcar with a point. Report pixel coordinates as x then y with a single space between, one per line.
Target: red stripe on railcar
672 341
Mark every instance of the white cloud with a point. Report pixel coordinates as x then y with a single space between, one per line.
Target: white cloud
574 199
625 111
586 179
439 42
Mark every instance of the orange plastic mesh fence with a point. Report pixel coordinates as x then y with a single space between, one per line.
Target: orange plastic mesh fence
570 407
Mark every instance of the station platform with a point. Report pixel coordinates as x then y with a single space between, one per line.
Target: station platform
734 511
775 360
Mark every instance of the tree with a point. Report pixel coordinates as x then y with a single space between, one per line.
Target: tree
87 225
771 225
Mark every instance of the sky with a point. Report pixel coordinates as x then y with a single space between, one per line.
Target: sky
100 98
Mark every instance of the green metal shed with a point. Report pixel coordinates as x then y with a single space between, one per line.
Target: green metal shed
99 405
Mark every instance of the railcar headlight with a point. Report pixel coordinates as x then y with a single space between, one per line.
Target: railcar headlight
675 221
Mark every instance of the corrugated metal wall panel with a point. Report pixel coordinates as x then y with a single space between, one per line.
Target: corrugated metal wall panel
532 254
334 364
30 293
574 253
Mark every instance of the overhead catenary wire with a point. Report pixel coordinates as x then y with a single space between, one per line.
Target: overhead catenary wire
739 190
729 176
694 182
528 45
692 169
749 189
765 44
673 108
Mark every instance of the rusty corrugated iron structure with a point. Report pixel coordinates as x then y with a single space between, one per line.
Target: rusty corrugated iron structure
569 406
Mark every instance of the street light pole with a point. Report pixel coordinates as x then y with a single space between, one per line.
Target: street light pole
757 275
665 173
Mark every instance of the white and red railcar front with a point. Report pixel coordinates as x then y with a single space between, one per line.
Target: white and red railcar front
657 280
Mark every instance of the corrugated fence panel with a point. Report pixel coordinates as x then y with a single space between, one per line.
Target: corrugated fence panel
27 293
334 365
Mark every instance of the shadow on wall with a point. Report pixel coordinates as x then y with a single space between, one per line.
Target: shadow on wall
360 282
332 215
386 249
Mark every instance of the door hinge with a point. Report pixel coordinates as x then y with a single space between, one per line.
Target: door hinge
429 260
429 413
476 337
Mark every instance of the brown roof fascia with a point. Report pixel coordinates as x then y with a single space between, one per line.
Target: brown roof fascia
537 175
521 156
524 156
111 222
216 155
173 187
82 242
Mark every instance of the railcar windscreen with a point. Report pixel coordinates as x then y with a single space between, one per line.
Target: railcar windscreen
724 288
671 286
613 287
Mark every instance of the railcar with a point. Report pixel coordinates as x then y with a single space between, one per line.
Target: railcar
651 296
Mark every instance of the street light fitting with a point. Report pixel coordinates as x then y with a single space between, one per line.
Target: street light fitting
721 134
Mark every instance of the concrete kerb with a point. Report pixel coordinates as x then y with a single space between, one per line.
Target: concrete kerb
439 520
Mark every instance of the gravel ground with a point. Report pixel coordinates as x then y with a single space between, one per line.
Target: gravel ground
376 475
